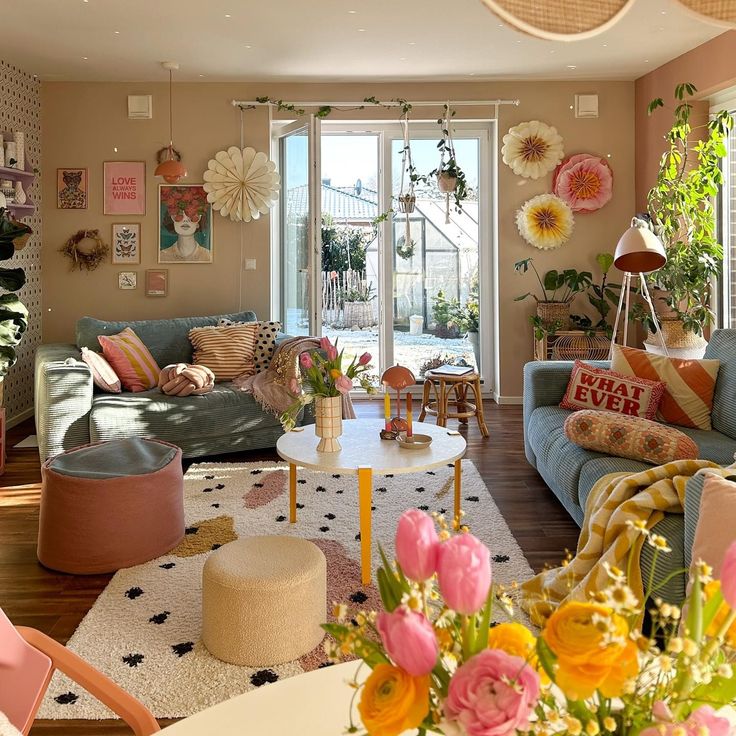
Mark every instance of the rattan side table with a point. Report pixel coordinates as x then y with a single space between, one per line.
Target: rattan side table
442 391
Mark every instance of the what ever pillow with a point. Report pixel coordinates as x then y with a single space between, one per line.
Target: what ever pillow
598 388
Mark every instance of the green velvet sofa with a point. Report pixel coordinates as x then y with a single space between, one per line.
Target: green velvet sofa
571 471
71 411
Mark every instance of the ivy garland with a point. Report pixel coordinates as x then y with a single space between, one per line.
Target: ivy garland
405 250
88 258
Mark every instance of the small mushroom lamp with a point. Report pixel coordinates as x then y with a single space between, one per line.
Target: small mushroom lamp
397 377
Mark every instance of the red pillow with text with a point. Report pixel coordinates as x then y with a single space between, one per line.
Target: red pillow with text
598 388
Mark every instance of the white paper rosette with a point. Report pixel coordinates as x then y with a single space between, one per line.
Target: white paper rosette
545 221
532 149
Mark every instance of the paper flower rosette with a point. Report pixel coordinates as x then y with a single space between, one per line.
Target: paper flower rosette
545 221
584 182
242 184
532 149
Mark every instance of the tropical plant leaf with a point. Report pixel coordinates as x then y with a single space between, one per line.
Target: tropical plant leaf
12 279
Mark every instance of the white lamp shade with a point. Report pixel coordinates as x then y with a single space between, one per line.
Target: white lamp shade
639 251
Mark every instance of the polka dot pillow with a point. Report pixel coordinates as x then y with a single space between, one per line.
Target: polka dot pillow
627 436
265 342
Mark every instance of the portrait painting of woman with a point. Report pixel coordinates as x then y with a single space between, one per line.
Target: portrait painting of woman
185 224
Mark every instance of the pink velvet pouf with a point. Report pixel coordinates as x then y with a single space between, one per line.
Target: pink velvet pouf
110 505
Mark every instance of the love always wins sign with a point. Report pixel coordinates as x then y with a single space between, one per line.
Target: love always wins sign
125 187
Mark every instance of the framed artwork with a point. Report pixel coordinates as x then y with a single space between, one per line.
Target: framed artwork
124 185
71 189
126 242
184 224
127 279
157 282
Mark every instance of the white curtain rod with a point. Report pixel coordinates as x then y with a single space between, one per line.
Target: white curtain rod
390 103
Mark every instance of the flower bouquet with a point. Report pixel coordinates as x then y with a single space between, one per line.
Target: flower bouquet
323 377
439 665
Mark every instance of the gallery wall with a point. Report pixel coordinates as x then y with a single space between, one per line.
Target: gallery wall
84 124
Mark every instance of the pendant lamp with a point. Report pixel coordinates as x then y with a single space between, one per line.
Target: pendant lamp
170 166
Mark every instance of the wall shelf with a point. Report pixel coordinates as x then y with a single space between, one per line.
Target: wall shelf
13 174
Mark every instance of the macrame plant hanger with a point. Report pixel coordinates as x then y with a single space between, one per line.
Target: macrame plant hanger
449 145
407 199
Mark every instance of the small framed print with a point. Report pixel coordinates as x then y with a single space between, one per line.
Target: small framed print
127 280
126 242
71 189
124 187
157 282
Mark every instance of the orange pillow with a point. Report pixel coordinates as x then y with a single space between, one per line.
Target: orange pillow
130 359
688 396
716 519
228 351
604 390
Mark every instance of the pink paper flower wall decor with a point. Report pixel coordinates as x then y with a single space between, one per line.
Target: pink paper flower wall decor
584 182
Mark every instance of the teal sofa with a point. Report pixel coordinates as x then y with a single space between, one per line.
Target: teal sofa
71 411
571 471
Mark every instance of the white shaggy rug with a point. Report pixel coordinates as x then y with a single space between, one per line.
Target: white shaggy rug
144 629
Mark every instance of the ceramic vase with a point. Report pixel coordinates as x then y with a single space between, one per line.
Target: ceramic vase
11 152
19 138
328 422
20 195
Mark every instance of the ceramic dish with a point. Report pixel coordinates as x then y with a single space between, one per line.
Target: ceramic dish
415 442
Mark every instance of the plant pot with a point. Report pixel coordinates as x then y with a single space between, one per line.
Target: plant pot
474 340
358 314
446 183
328 422
407 202
554 314
681 343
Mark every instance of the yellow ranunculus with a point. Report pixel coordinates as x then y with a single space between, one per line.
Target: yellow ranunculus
515 639
393 701
710 589
335 373
584 663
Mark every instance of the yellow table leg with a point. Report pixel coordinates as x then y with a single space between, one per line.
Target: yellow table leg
365 490
458 487
292 493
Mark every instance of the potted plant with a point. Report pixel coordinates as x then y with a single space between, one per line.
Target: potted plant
682 209
450 177
357 307
442 311
602 296
466 317
557 290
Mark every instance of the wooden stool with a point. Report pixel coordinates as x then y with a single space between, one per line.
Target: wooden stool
442 391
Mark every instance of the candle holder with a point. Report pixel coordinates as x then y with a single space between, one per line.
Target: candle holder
387 434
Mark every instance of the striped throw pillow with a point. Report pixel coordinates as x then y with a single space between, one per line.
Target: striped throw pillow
227 351
130 359
688 397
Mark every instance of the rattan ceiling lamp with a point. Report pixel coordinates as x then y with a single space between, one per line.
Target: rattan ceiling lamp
560 20
170 166
722 12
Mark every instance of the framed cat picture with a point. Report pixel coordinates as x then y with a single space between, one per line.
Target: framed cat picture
71 189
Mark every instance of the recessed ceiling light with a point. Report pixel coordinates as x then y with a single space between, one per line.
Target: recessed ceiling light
402 58
201 75
472 74
361 30
227 15
412 43
500 25
572 66
646 61
247 45
605 45
352 12
518 40
114 149
663 12
84 58
608 155
117 33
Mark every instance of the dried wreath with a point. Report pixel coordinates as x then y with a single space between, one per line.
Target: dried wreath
88 257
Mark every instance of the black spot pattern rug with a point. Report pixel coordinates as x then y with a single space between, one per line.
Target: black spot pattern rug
144 629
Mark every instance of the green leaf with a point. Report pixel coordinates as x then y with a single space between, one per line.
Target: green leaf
12 279
604 261
546 658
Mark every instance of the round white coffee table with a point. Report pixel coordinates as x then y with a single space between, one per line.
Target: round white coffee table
363 451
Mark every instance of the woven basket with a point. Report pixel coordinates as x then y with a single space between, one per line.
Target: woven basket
676 336
581 347
407 202
554 312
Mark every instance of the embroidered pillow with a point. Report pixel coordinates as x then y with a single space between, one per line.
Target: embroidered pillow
598 388
632 437
688 396
716 521
103 375
227 351
265 344
130 359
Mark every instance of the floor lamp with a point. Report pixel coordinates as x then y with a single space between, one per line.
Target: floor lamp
639 251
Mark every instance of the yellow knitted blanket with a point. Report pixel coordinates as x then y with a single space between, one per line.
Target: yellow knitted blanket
615 499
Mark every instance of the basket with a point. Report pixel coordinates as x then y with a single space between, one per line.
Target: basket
581 347
554 314
676 336
407 202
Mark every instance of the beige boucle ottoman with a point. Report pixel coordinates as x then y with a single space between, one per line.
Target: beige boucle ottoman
263 600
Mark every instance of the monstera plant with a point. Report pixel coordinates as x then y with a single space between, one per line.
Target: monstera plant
13 313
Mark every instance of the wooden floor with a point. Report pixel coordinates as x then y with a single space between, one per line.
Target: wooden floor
56 603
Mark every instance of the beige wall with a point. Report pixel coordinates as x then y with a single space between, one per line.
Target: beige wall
710 67
82 123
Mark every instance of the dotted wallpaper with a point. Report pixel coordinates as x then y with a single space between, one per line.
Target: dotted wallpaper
20 109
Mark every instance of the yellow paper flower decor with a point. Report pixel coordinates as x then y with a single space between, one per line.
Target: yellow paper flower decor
545 221
532 149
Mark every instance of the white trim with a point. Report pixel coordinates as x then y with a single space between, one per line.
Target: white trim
18 418
515 400
723 100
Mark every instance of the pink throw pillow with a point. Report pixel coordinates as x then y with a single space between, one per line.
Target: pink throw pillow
131 360
103 373
715 530
604 390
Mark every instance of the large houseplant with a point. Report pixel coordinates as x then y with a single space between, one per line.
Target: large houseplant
681 205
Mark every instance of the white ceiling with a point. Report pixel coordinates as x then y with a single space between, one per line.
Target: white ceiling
325 40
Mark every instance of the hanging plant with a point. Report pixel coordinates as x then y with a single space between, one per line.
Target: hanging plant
532 149
85 257
405 248
450 177
545 221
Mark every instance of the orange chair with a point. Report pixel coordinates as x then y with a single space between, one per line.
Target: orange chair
28 659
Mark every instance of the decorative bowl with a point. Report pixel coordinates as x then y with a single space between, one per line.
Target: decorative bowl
415 442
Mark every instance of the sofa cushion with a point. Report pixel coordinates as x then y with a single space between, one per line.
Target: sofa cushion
722 345
167 339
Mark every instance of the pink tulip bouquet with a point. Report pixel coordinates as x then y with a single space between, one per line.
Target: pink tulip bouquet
323 376
439 666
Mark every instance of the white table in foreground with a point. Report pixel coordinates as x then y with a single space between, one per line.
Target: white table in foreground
313 704
363 452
